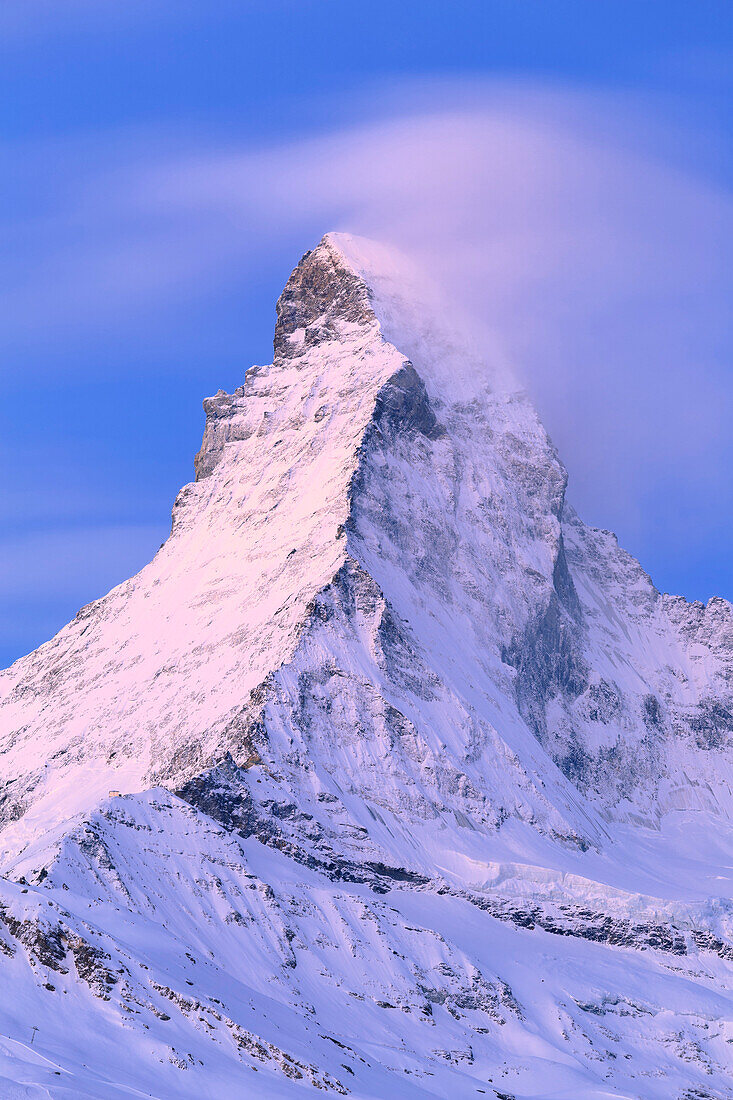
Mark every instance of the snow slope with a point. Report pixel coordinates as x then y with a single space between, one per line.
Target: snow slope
425 789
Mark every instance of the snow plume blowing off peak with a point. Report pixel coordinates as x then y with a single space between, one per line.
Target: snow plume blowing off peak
388 775
417 314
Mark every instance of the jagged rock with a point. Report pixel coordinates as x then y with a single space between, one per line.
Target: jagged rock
387 775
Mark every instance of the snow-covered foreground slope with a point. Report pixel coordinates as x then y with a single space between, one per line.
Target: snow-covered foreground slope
425 789
165 955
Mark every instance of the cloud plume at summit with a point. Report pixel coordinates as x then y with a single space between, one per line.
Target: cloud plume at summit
589 244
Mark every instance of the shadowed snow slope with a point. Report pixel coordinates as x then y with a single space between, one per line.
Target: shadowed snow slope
424 788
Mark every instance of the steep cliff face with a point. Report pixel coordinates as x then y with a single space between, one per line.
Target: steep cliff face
654 729
425 787
150 681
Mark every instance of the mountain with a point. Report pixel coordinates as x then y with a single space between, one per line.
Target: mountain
387 776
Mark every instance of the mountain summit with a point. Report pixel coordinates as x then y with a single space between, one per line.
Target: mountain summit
387 775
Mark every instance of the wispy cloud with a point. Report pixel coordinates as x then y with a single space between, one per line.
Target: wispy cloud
524 187
591 239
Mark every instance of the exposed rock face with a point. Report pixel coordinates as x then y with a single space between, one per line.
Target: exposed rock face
322 293
222 427
425 787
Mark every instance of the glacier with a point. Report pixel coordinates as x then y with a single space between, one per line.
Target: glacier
387 776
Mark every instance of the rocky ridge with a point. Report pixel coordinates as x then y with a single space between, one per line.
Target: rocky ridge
424 786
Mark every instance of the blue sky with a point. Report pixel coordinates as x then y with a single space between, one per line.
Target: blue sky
564 166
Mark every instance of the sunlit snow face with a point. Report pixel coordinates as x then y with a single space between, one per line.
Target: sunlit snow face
579 245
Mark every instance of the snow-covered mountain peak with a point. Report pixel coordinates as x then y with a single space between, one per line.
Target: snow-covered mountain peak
456 354
325 290
381 729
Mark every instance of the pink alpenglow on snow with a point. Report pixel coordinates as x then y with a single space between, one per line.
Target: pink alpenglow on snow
387 775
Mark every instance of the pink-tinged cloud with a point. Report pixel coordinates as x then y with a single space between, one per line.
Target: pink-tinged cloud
587 240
